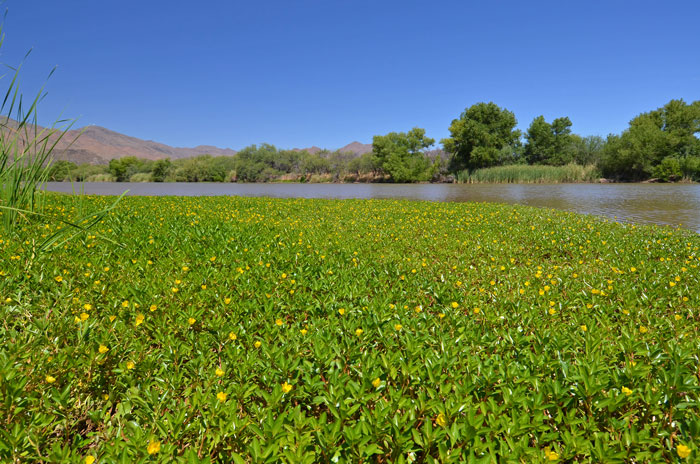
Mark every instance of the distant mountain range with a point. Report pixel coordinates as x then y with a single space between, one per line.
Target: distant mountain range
97 145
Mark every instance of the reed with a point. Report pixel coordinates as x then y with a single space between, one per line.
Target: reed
526 174
25 151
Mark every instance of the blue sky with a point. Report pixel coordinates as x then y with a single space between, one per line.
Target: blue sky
302 73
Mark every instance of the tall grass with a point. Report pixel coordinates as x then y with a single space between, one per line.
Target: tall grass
25 163
527 174
25 151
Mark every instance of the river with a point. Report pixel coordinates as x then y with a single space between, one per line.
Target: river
664 204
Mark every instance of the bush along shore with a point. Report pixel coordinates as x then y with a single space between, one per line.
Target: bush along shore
224 329
484 146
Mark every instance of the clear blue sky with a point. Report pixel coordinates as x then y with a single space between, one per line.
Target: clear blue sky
297 73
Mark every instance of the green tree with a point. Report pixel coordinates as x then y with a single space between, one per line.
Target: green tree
61 170
547 143
401 155
587 150
161 170
480 138
667 132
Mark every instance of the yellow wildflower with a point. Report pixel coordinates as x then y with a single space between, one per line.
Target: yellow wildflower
153 447
286 388
50 379
359 332
103 349
376 382
683 451
440 420
219 372
221 396
130 365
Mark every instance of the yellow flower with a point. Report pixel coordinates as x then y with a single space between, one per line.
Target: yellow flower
103 349
125 303
476 311
341 311
257 344
191 320
397 327
643 329
626 391
232 336
139 319
221 396
219 372
112 318
303 331
551 455
84 316
678 317
50 379
175 289
376 382
59 279
89 459
359 332
87 306
286 388
279 322
683 451
227 300
105 396
441 315
584 328
204 287
454 305
153 307
153 447
212 259
440 420
130 365
552 311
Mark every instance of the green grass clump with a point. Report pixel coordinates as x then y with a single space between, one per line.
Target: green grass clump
527 174
293 330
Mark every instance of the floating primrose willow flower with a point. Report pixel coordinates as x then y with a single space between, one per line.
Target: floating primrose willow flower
153 447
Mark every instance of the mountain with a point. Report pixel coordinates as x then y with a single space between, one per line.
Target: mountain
98 145
357 148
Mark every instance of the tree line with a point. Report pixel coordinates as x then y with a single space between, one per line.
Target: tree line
661 144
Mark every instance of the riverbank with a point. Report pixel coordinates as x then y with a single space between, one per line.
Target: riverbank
216 324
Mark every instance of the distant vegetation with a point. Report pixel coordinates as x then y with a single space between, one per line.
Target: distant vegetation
526 174
484 146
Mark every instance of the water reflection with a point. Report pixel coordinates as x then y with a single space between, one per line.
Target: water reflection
648 203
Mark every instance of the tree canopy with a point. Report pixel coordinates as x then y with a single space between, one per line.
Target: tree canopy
401 155
482 136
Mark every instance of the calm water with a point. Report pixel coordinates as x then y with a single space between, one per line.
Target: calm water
670 204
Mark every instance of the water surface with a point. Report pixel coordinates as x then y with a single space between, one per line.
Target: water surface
665 204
